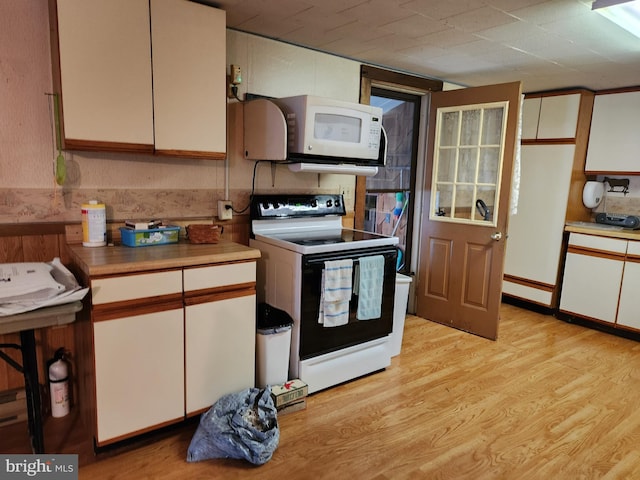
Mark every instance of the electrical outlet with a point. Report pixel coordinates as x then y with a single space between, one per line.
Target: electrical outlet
225 211
235 74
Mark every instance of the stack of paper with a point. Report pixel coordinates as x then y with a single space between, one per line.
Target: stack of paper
29 286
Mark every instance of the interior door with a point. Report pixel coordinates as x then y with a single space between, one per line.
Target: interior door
472 138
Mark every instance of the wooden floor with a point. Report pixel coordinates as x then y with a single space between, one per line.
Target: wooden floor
547 400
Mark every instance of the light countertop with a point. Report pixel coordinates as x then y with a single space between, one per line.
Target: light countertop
118 259
592 228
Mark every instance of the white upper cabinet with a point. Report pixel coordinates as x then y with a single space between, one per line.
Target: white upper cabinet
530 116
550 117
140 76
614 141
105 72
189 78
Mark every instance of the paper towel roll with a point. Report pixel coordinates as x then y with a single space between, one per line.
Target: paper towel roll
592 194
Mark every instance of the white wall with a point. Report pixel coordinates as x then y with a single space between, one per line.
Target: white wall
276 69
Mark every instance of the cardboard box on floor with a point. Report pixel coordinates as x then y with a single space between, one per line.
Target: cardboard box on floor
289 392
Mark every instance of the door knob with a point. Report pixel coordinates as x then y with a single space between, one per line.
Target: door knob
496 236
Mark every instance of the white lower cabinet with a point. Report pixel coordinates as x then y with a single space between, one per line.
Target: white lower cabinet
220 350
591 286
139 373
168 344
629 308
602 280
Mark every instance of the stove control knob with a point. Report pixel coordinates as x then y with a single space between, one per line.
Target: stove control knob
329 203
337 203
314 203
265 205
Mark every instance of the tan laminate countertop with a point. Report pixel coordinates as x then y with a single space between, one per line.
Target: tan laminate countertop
118 259
597 229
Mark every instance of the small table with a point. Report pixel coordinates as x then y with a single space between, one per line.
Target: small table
26 323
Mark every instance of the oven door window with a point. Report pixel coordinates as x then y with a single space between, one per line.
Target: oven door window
317 339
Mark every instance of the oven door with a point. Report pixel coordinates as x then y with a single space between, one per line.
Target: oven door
315 338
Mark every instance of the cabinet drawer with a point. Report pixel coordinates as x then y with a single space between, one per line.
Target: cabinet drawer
219 276
130 287
614 245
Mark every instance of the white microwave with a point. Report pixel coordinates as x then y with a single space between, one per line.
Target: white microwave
326 130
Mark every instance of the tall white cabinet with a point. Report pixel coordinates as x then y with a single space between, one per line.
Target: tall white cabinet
140 76
553 149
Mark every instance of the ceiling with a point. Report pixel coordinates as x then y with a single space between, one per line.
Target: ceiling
547 45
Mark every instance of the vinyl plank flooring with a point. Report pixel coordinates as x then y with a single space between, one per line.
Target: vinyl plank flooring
548 399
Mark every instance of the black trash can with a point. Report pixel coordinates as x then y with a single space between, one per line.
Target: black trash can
273 342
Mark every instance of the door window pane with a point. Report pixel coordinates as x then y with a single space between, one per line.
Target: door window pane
468 163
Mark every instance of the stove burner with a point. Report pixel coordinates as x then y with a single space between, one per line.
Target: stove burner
319 241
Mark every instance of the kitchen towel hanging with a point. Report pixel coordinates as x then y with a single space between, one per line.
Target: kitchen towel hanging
369 285
336 290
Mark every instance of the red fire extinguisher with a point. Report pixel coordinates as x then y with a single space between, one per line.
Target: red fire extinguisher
59 383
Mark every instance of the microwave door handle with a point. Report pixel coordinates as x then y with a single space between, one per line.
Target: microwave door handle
384 147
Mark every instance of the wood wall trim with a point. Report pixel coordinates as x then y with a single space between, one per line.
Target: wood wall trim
191 154
608 172
529 283
390 77
619 90
595 253
218 295
575 207
555 93
96 146
548 141
111 311
24 229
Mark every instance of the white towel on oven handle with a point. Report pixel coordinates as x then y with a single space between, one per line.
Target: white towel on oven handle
368 286
335 292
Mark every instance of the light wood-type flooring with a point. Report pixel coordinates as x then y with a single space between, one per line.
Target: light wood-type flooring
547 400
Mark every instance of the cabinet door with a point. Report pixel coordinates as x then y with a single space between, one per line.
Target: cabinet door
530 116
558 116
629 308
535 232
591 286
105 73
613 140
139 362
220 350
592 279
189 78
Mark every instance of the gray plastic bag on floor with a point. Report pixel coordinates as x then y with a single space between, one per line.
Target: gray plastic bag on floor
241 425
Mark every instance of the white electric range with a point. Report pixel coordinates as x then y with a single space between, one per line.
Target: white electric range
297 234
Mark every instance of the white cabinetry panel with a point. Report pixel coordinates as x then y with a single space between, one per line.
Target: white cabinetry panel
130 287
535 232
614 142
105 63
189 76
220 349
139 363
530 116
591 286
559 116
219 275
629 309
